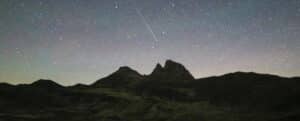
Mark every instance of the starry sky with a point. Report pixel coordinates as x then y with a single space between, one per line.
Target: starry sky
80 41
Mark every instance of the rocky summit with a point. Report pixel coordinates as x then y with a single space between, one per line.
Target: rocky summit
171 71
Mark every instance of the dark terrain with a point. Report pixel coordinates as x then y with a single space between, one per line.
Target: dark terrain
169 93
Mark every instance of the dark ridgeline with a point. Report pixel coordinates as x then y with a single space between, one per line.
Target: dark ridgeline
170 93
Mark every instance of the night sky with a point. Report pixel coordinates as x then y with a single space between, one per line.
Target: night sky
80 41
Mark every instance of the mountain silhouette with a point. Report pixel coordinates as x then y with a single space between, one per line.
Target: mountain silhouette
44 83
123 77
169 92
171 71
127 77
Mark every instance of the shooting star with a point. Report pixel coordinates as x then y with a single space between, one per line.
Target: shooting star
147 24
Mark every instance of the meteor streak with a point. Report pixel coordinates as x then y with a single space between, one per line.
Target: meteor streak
147 24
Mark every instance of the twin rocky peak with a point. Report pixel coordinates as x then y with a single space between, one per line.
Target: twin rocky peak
169 72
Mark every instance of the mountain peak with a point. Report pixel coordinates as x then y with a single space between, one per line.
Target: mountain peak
170 65
123 76
158 69
158 66
170 62
125 68
46 83
171 71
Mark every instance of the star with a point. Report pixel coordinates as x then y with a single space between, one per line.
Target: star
270 19
172 4
60 38
18 52
22 4
116 5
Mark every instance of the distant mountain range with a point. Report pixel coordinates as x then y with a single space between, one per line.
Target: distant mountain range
169 93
